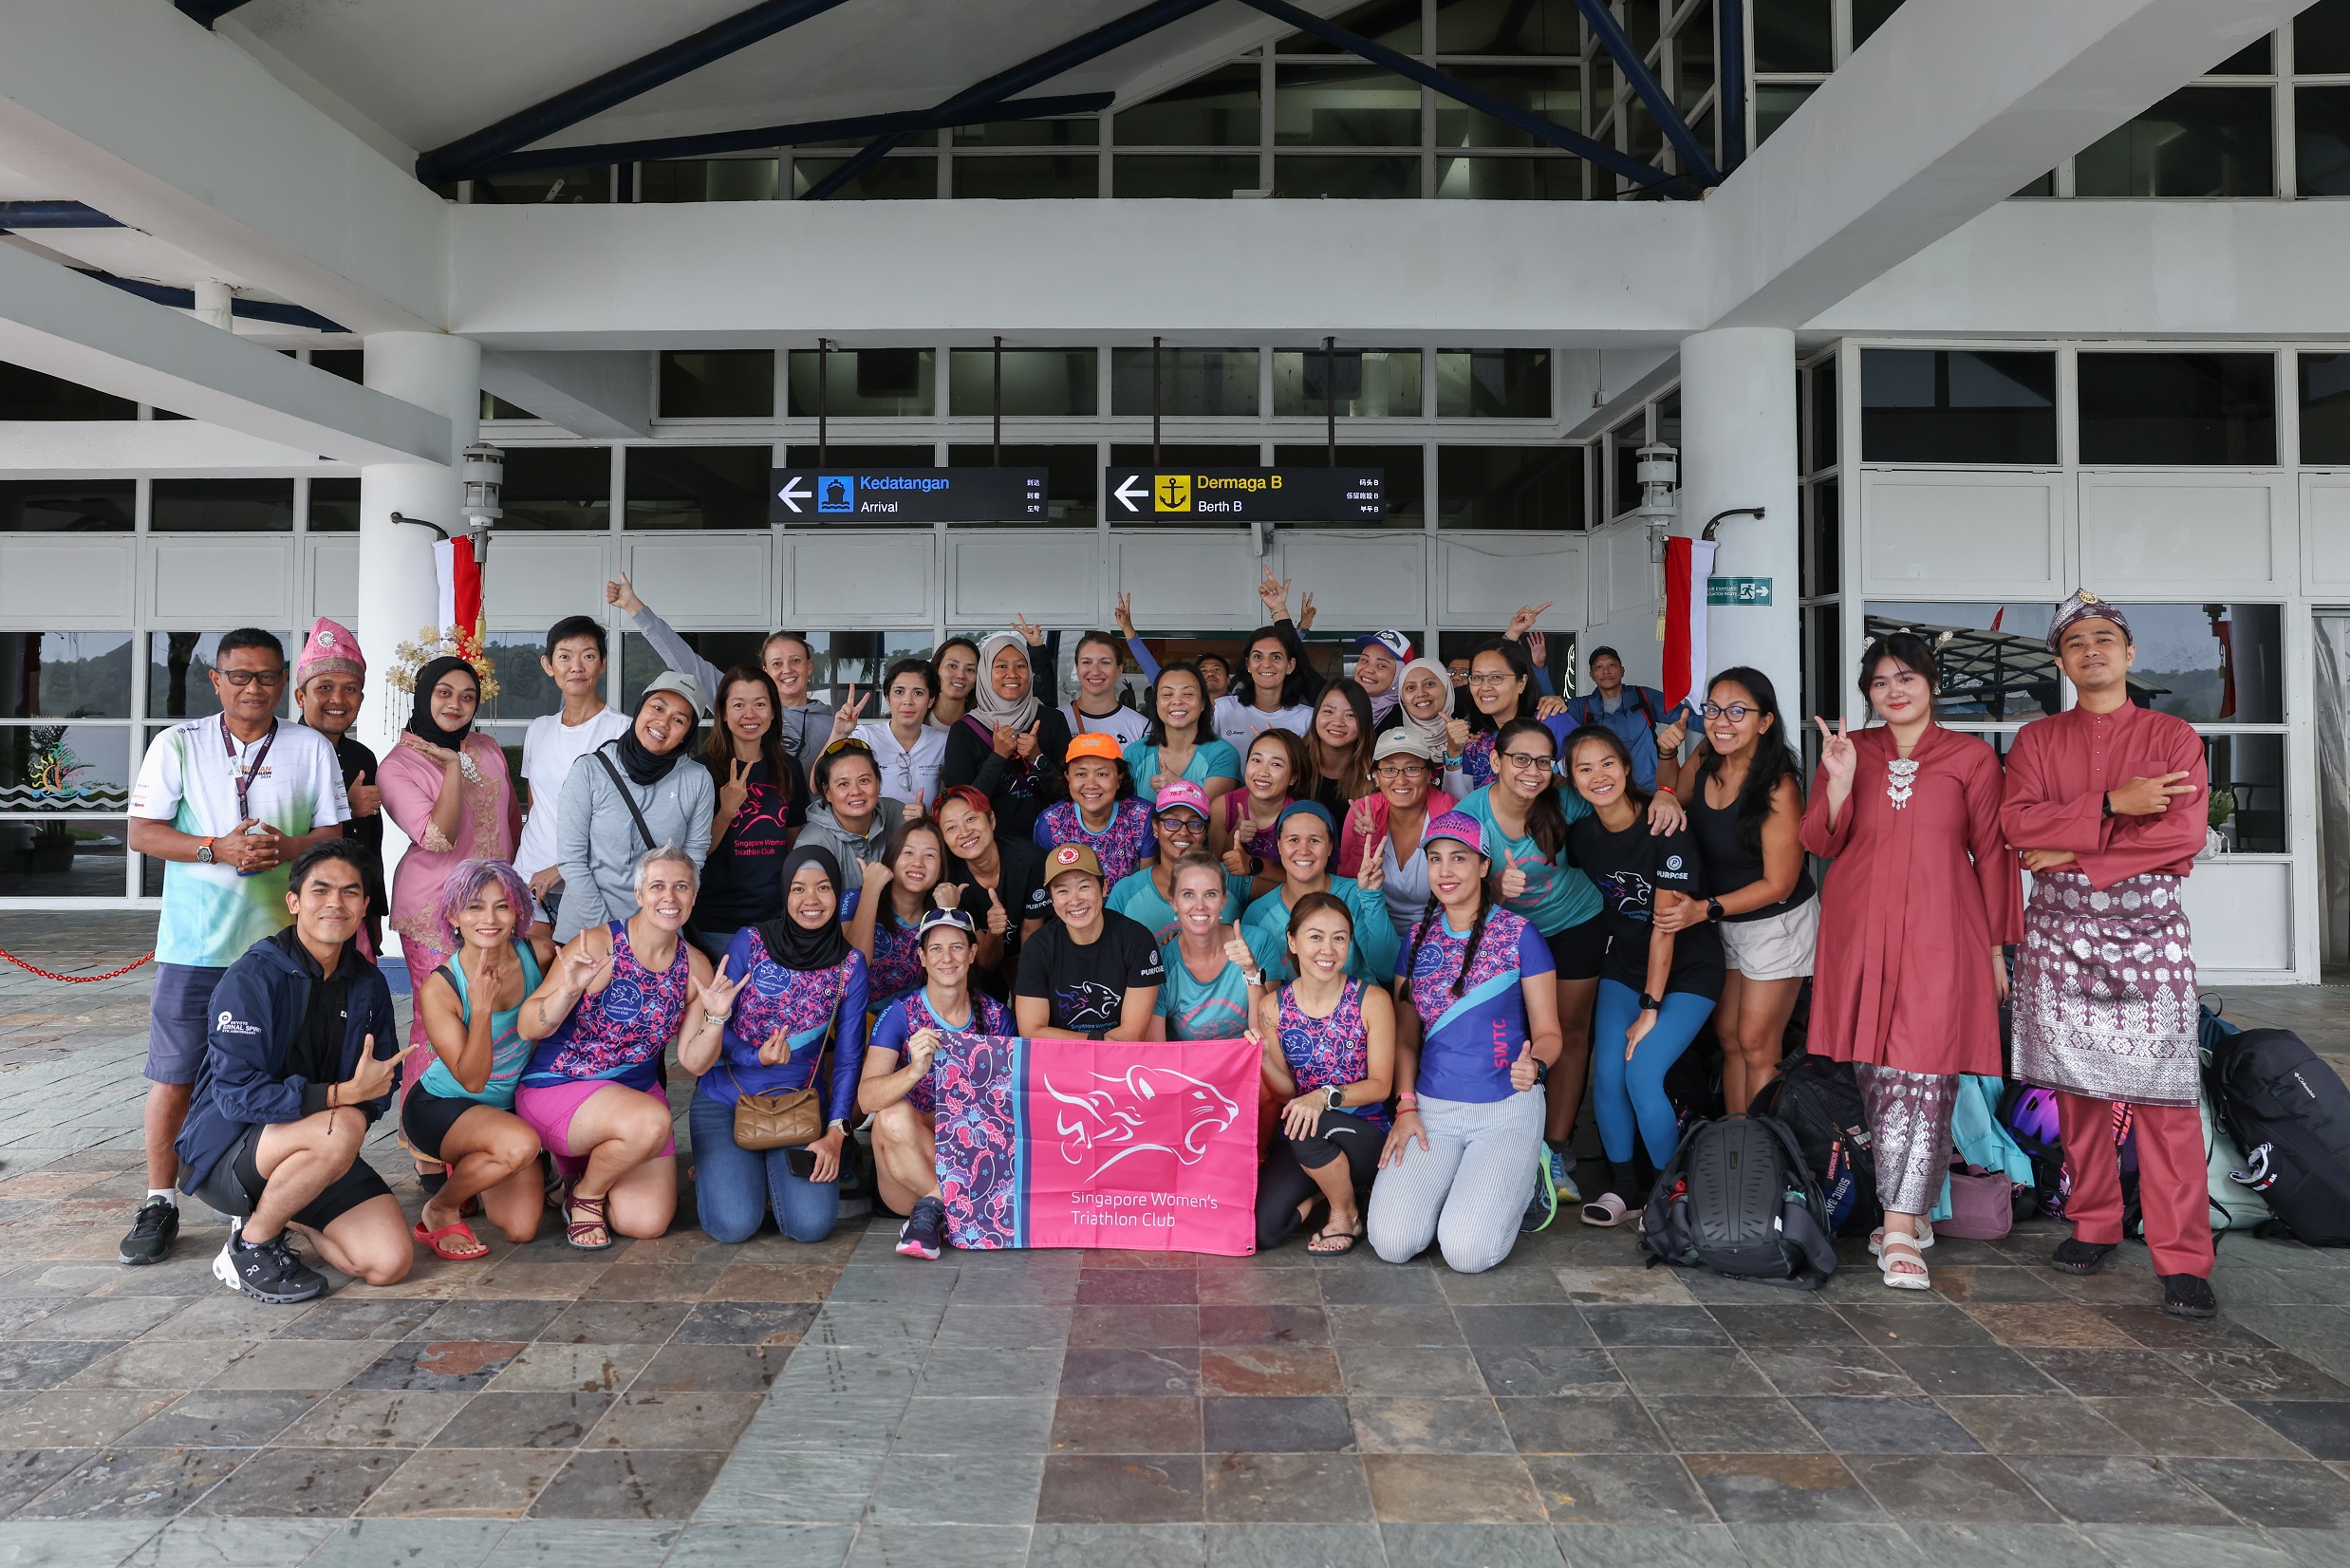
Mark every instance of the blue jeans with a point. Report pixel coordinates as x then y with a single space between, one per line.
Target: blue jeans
734 1186
1625 1093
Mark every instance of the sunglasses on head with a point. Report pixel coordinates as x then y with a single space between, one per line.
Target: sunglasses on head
850 744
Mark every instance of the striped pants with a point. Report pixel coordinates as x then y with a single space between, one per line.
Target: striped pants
1468 1191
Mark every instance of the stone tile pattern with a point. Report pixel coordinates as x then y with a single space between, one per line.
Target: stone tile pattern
683 1402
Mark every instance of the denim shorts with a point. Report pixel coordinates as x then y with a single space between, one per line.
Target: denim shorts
179 1021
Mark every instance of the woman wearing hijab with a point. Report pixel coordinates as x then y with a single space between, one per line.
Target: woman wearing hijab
447 787
1009 746
1423 704
628 795
804 985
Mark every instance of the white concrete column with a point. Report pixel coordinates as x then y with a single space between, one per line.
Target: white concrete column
214 305
396 593
1737 433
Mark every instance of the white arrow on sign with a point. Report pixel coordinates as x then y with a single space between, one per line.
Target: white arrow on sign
791 494
1127 492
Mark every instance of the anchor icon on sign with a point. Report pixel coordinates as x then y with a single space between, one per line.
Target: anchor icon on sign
1171 493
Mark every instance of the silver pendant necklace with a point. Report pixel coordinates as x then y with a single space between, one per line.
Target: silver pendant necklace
1901 775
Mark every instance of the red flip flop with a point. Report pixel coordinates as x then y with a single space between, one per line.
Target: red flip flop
434 1239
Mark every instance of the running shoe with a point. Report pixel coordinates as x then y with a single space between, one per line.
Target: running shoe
268 1272
1544 1208
919 1237
152 1233
1561 1175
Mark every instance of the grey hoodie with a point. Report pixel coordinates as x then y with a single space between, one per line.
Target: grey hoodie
597 843
825 831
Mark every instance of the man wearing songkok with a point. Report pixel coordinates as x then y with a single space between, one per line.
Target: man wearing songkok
330 681
2107 802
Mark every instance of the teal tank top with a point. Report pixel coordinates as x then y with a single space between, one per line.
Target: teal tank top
509 1051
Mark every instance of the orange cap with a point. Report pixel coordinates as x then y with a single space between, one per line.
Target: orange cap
1094 744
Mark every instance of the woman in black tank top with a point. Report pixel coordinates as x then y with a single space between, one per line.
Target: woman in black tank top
1745 806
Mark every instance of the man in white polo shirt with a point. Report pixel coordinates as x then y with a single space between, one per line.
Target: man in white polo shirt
226 802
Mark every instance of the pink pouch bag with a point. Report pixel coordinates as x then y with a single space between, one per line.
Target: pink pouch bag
1982 1204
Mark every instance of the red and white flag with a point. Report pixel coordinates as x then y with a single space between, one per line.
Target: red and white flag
1687 564
458 585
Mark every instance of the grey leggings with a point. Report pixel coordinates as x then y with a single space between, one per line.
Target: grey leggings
1909 1126
1468 1191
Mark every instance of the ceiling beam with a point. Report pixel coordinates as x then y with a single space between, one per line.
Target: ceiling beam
461 158
599 397
206 11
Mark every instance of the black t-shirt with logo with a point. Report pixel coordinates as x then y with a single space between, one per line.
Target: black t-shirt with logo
1086 984
742 880
1629 867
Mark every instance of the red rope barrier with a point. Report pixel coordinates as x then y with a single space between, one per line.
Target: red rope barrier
70 979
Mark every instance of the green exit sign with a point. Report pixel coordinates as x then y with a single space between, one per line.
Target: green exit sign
1738 590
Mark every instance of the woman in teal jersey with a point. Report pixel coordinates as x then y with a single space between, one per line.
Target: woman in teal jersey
1205 995
1180 822
1180 744
1307 842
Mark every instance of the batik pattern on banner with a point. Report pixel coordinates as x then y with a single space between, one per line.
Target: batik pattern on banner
2105 990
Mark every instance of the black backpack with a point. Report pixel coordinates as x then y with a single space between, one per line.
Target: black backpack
1818 1100
2290 1115
1736 1199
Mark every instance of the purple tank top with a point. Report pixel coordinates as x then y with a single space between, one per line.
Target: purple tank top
619 1032
1335 1049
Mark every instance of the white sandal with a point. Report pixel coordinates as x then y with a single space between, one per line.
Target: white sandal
1925 1235
1902 1249
1607 1210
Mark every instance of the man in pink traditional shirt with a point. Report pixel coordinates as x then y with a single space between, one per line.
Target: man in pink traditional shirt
2107 803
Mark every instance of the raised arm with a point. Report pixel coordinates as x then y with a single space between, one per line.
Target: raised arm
674 652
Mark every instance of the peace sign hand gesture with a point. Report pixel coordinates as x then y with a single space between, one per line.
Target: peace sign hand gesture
717 997
1030 632
735 790
1512 877
1305 612
845 718
1837 758
1126 615
1371 876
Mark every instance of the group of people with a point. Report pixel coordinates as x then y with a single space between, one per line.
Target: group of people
1448 904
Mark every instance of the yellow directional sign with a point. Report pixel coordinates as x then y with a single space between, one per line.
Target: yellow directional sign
1171 493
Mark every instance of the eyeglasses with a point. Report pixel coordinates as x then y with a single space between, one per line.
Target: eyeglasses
1736 712
269 679
1391 772
1489 677
1180 827
1527 761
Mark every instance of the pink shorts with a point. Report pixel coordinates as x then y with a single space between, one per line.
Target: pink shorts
548 1110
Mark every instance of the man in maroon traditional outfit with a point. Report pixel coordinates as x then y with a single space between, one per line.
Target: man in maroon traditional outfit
2107 802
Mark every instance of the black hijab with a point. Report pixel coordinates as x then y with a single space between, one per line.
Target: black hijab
421 721
788 942
648 767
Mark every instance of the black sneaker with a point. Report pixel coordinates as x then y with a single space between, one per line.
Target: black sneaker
2189 1295
919 1236
268 1272
152 1233
2075 1257
1543 1206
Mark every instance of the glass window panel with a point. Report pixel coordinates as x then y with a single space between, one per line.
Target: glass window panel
697 486
545 187
717 383
1394 23
1932 405
1551 92
2253 60
2321 139
496 407
2322 38
61 857
1508 27
1192 381
1031 132
1182 178
1074 476
1370 383
1624 444
1823 665
1668 422
1774 102
1825 428
180 666
1510 179
557 488
2209 663
32 395
1493 384
2178 408
222 506
1693 52
1868 15
2325 408
334 506
1351 178
897 178
1510 487
64 674
1996 667
2041 189
709 179
840 657
1357 105
1642 23
2199 141
64 767
1219 109
844 455
1037 382
1028 178
1794 35
67 506
1405 478
1644 136
1826 555
2248 790
865 383
525 690
349 363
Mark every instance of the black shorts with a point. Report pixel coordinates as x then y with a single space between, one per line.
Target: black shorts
235 1185
425 1119
1577 952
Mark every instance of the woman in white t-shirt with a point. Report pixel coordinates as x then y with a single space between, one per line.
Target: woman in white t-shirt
574 662
1096 709
907 748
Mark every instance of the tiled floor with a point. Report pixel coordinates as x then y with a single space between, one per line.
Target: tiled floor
685 1402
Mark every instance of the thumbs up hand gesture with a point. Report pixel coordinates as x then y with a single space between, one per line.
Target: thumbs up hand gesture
1512 877
998 923
1525 1071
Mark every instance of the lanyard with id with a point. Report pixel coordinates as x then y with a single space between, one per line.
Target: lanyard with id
244 778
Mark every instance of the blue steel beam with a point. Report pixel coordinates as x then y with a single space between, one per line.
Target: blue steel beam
459 158
785 136
1020 78
1536 125
1731 100
249 309
206 11
1652 92
53 215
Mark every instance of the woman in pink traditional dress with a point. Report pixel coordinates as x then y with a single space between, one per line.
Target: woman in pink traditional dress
1923 894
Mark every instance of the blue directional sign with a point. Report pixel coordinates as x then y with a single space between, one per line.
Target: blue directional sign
886 496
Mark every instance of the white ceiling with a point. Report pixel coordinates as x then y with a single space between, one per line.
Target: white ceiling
430 71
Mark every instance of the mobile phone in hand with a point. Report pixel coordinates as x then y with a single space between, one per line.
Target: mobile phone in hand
800 1163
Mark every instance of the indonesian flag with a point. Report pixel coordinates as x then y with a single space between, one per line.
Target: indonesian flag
458 584
1687 564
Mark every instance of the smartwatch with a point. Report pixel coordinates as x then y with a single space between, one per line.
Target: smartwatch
1713 908
1650 1005
204 854
1337 1093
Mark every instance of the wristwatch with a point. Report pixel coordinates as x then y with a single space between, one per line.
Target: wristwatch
204 854
1337 1093
1253 977
1713 908
1650 1005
